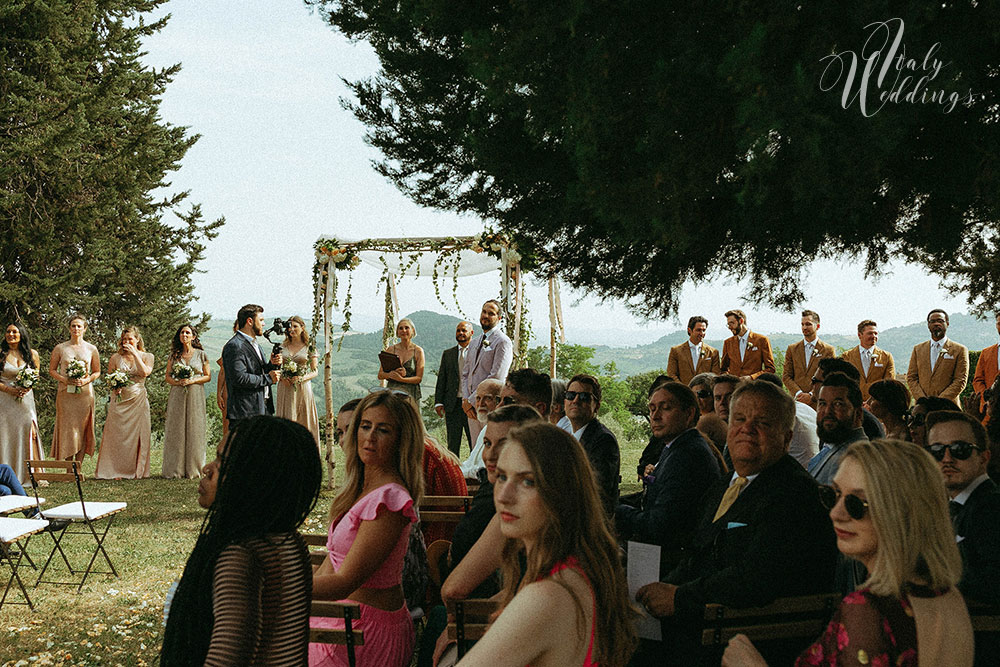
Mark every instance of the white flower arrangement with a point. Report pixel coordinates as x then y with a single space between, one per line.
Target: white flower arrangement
26 379
118 380
75 370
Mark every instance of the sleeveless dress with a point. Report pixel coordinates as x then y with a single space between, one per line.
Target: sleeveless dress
18 426
389 635
185 430
74 430
573 564
410 366
125 443
298 404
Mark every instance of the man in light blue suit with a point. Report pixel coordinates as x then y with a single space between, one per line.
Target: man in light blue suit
490 355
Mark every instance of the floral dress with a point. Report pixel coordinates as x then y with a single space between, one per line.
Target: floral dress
867 629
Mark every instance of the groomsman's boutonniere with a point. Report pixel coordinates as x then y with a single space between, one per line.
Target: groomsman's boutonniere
486 343
701 354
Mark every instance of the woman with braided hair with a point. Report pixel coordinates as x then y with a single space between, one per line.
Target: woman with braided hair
244 596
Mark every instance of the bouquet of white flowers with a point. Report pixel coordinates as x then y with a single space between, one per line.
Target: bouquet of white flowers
182 372
26 379
118 380
76 369
292 370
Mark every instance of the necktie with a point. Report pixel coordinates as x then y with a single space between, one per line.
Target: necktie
866 360
462 351
809 353
954 509
935 351
743 348
729 497
694 358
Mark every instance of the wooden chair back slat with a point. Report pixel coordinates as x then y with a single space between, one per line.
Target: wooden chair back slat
435 516
329 609
793 605
316 558
766 631
314 539
51 463
446 501
473 631
474 608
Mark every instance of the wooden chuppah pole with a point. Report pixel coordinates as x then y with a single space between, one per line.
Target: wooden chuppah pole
331 287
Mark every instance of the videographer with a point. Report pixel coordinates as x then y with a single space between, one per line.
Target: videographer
248 377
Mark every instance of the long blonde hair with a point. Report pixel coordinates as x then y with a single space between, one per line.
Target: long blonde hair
909 511
140 345
409 450
576 527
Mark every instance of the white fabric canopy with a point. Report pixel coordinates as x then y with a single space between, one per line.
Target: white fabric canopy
470 263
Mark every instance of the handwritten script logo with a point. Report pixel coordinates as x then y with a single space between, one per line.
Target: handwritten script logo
888 75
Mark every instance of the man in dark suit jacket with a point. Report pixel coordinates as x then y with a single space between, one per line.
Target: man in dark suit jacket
582 401
686 469
447 392
763 532
248 376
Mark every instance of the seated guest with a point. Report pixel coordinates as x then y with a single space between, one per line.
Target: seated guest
959 443
918 415
570 605
890 515
711 426
487 399
442 477
701 385
370 524
9 484
583 400
244 596
684 471
763 533
872 426
838 424
557 410
526 386
805 440
889 401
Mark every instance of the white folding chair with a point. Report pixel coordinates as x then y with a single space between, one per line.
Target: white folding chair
89 514
12 532
11 504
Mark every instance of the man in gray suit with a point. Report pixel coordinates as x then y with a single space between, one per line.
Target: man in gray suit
489 357
448 393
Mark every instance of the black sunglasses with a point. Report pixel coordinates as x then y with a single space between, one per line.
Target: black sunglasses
960 450
584 396
508 400
704 393
856 508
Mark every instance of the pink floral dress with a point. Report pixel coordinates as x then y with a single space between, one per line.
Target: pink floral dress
868 629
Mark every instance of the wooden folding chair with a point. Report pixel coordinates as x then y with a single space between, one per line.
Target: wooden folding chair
11 504
472 620
348 637
64 516
12 532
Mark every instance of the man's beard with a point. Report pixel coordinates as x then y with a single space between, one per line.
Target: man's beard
481 416
837 434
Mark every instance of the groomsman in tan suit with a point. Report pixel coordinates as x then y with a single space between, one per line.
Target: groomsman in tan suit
802 358
872 363
938 367
987 369
745 354
693 356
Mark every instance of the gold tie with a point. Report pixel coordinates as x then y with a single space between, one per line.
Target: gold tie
729 497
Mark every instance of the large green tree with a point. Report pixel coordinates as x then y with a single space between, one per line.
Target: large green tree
88 221
633 146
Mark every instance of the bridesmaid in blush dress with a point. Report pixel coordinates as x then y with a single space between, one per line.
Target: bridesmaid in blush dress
125 443
295 394
74 429
18 420
408 377
184 433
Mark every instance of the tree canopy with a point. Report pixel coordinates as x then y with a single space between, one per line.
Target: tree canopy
87 220
633 146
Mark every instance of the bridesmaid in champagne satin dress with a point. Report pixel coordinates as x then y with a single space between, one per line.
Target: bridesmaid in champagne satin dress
19 439
295 395
185 431
125 443
74 429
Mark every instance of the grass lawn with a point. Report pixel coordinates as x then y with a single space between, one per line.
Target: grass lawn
119 621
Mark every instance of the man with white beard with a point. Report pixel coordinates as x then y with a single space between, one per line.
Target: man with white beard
487 400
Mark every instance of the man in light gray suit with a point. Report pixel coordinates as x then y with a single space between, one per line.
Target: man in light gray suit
490 355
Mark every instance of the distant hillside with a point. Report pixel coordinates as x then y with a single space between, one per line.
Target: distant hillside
355 365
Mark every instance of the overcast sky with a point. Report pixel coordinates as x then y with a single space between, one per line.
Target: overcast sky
285 164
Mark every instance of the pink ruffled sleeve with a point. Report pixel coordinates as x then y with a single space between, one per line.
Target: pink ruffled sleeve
392 496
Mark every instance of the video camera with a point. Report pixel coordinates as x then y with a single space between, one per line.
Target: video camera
280 326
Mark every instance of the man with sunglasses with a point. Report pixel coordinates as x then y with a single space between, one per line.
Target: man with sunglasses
693 356
582 401
960 445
